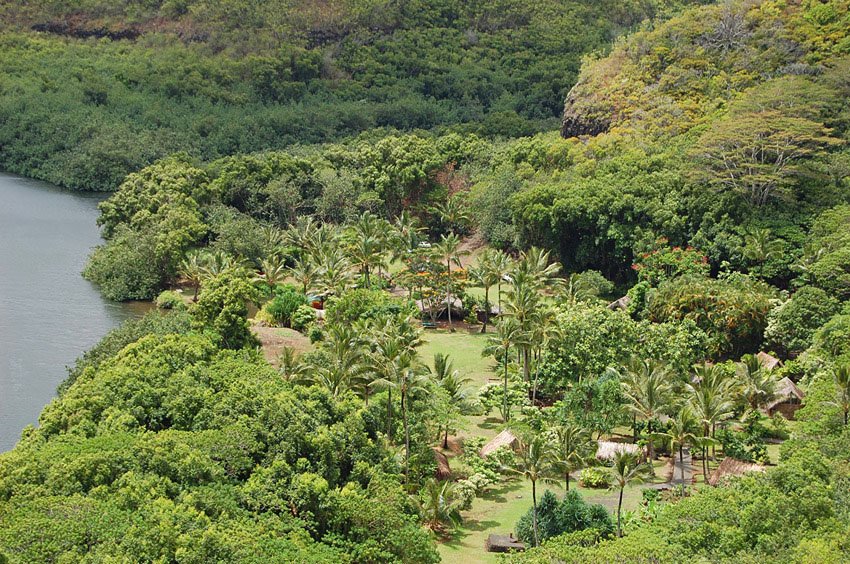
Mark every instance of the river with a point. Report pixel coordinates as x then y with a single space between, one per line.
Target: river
49 314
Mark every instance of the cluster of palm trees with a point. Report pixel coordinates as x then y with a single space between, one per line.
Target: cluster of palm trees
696 404
370 356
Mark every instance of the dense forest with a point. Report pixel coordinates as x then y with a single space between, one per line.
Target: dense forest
105 88
425 271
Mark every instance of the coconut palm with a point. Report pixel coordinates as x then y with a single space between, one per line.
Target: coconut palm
333 270
272 271
453 216
508 335
289 365
573 449
449 251
485 275
710 397
439 504
537 266
757 385
457 388
215 263
305 273
759 245
841 376
543 331
522 304
366 244
647 386
191 270
534 462
412 379
502 266
339 369
680 435
627 469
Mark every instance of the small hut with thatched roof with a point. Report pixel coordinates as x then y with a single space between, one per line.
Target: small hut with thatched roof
443 471
788 399
505 438
732 467
503 543
606 450
620 304
768 361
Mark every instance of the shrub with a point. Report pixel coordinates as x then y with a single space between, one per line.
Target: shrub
316 334
284 304
363 303
565 516
791 326
170 300
303 317
594 478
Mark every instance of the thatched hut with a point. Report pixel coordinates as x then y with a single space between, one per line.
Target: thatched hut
443 471
788 399
503 543
768 361
503 439
732 467
606 450
621 304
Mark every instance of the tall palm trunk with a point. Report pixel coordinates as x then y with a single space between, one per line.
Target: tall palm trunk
406 438
619 511
446 438
566 481
651 445
505 414
534 512
682 462
449 293
390 415
487 308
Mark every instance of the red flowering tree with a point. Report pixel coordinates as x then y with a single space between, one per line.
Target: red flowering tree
664 263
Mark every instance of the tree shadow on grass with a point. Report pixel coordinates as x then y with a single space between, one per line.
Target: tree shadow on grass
470 526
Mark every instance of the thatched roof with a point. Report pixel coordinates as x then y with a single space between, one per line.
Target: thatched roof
768 361
503 543
606 450
733 467
622 303
505 438
786 390
443 471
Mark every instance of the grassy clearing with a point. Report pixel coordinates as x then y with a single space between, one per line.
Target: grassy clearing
465 351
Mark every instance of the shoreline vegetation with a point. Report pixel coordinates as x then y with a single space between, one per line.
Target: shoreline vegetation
626 341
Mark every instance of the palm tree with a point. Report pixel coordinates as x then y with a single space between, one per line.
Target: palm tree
448 249
534 462
508 334
841 376
272 271
217 262
305 273
759 246
366 244
289 365
485 275
393 349
757 385
536 264
452 214
573 449
710 397
191 270
522 305
412 379
543 330
457 388
343 363
439 505
627 469
302 234
647 385
502 266
334 270
680 435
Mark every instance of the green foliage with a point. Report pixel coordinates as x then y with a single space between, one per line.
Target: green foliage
303 317
363 303
168 299
732 311
222 311
556 517
791 325
664 263
594 478
285 303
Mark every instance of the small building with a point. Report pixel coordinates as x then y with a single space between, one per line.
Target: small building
732 467
606 450
504 543
768 361
443 471
788 399
621 304
503 439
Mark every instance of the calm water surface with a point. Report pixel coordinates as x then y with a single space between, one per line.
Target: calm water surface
49 314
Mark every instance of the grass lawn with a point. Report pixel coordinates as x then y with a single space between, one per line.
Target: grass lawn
464 349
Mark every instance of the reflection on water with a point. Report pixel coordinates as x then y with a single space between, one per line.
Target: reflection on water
49 314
